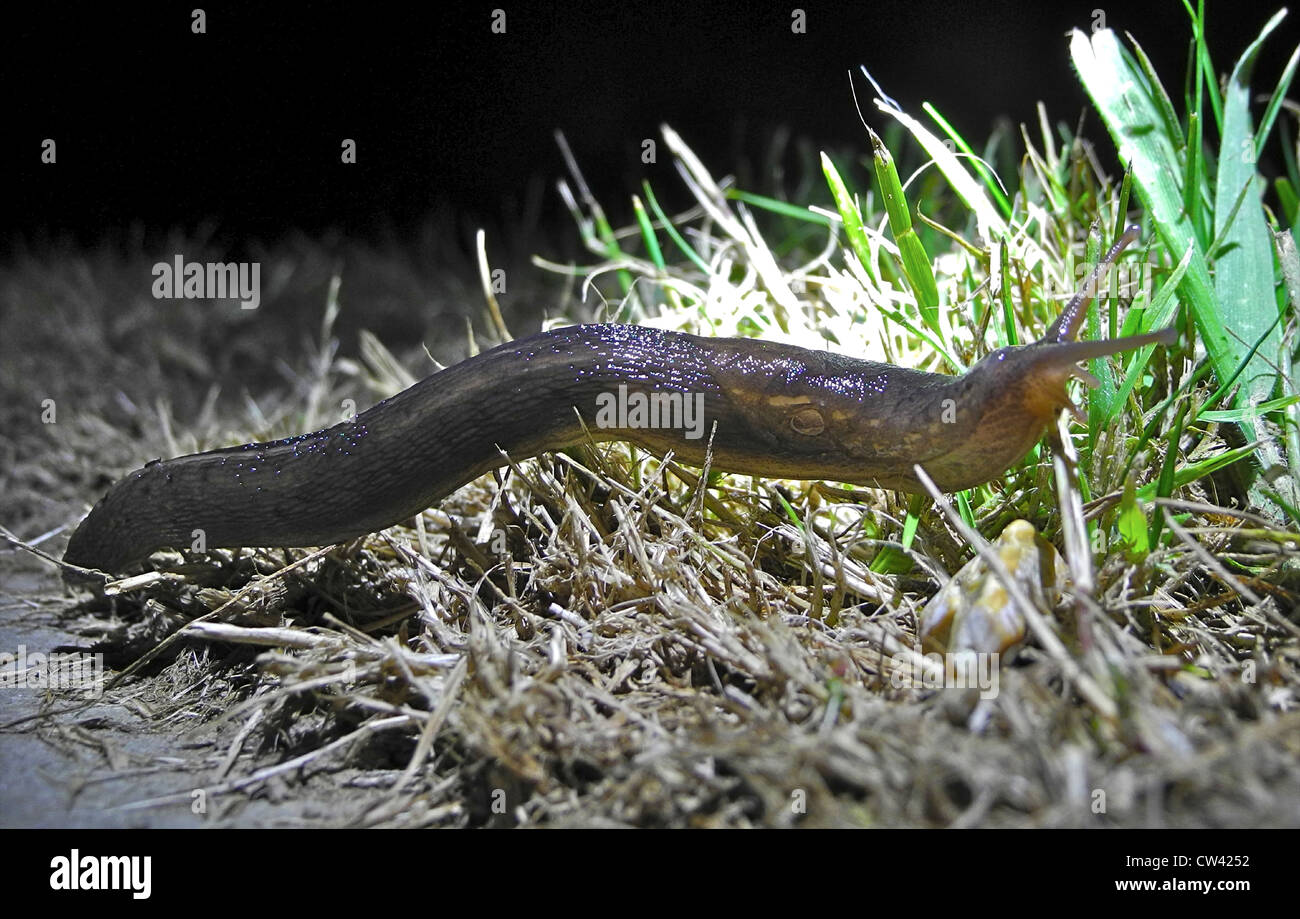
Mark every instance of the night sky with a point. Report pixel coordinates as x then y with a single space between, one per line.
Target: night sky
240 128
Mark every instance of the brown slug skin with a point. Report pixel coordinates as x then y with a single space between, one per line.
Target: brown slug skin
779 411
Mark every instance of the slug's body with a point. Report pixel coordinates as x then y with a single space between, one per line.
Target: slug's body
779 411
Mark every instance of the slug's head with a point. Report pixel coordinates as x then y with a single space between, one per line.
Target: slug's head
1016 393
1032 380
1038 373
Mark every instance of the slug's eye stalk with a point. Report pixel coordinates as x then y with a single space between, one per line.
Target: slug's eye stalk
1066 326
1051 362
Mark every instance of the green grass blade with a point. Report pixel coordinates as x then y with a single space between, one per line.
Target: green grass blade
989 224
1251 412
1185 475
1207 80
985 173
648 233
1132 526
1156 91
916 263
686 248
799 212
1244 270
1165 484
1275 102
850 216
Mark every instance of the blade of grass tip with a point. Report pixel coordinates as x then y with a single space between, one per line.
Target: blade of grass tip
1008 305
680 241
1125 192
703 187
1193 172
648 233
1208 76
489 293
916 262
850 217
742 229
964 508
1050 156
951 235
1244 269
1157 93
1001 157
585 227
1192 150
788 509
605 232
1275 102
915 507
1254 411
989 224
990 179
784 303
1058 200
1165 484
884 97
799 212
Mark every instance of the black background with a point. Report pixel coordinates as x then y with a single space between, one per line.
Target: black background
240 128
190 868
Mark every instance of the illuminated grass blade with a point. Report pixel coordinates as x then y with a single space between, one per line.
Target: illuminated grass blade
916 263
990 180
1244 261
850 216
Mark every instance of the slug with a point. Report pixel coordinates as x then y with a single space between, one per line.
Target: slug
764 409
